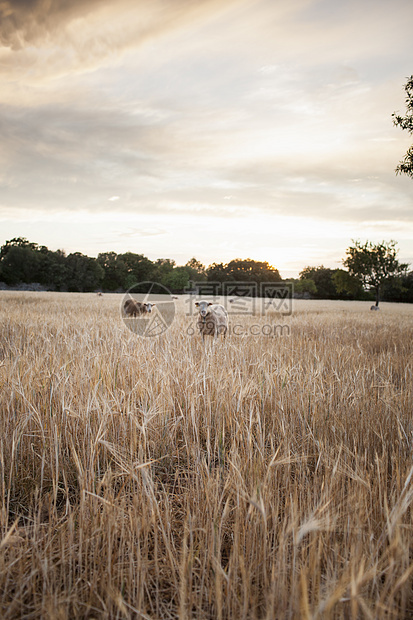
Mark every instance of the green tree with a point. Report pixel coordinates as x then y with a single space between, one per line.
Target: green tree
115 270
20 242
197 268
347 285
373 264
177 280
52 269
20 264
406 294
406 122
322 278
243 270
248 270
217 272
83 273
138 269
22 261
398 289
163 267
15 260
304 286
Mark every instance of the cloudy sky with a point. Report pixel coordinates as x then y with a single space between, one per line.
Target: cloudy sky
209 128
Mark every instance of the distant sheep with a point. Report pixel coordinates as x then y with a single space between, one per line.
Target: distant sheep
134 308
374 308
212 319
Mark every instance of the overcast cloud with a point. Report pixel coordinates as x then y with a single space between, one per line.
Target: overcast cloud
207 128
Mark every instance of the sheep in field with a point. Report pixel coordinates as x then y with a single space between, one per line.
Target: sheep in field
212 319
374 308
134 308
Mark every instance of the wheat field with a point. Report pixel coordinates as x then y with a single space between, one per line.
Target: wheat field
267 476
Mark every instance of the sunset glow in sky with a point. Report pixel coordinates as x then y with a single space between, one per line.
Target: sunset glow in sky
218 129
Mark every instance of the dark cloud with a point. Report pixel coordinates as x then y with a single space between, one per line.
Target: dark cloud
28 21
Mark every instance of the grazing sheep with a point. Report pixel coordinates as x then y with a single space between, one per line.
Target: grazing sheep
174 297
374 308
212 319
134 308
99 294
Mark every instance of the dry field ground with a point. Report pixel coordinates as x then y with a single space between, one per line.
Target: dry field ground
269 476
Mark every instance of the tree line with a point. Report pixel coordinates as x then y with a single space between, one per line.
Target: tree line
373 272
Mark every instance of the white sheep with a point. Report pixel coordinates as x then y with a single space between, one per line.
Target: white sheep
212 319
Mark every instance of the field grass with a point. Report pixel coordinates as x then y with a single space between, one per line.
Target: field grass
269 476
